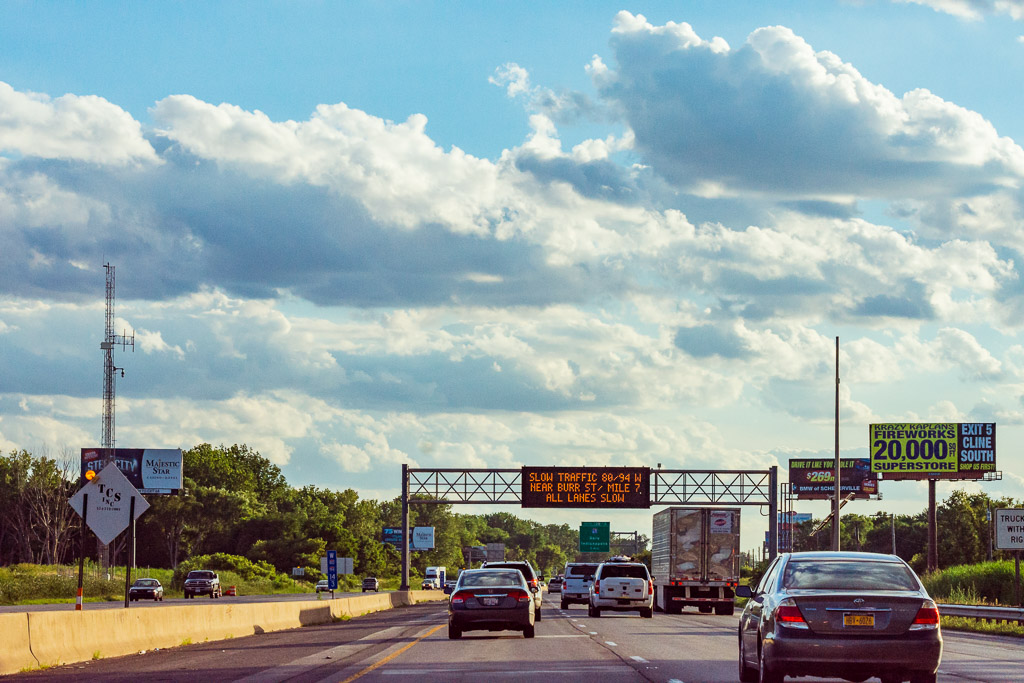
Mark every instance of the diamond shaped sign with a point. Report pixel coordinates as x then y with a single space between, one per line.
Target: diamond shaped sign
109 504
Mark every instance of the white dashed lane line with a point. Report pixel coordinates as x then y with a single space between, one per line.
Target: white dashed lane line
639 659
610 643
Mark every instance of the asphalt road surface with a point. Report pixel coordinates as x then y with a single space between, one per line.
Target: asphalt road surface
410 644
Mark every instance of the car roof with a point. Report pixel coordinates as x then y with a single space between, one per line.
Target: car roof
827 556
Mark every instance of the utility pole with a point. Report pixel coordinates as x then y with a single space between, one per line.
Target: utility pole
110 340
836 505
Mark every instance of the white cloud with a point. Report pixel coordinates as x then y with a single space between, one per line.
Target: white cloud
86 128
777 116
974 9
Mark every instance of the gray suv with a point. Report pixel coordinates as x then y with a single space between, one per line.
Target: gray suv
202 582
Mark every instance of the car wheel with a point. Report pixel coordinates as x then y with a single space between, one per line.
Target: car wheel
748 674
529 631
923 677
704 609
891 678
454 632
764 674
647 613
724 610
565 605
536 615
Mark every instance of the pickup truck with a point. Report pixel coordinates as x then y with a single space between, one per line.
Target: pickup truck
202 582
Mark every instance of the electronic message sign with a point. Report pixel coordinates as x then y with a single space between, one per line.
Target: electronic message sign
816 478
943 450
586 487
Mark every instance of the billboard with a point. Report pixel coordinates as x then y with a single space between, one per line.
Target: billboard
816 478
150 470
586 487
422 538
937 450
392 535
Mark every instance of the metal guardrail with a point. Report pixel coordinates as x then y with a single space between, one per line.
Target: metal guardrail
1007 614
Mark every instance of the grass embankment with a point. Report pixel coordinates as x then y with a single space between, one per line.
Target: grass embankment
31 584
987 583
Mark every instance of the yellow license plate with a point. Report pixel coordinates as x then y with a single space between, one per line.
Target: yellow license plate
858 620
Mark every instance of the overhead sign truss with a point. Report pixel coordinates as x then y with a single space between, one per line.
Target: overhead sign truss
646 487
666 487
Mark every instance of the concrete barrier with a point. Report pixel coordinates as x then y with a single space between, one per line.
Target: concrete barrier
15 652
34 639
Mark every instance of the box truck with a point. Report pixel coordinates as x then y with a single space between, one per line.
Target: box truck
695 559
436 576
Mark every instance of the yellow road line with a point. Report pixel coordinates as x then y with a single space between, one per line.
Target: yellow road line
392 655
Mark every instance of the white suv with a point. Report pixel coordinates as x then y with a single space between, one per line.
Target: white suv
578 578
622 587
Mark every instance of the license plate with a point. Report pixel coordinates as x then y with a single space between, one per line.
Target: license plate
623 602
489 602
858 620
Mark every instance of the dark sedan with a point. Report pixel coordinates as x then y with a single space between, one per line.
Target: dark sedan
850 615
150 589
491 600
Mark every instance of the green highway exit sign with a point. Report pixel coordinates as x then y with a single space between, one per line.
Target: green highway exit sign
595 537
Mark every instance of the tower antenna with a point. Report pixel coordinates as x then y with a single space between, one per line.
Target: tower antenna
110 340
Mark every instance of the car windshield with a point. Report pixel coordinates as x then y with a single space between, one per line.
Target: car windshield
146 582
632 571
849 575
200 575
582 570
505 578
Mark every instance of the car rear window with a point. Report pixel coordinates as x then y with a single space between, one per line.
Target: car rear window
582 570
849 575
512 578
630 571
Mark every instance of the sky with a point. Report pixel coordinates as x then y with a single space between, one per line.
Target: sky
485 235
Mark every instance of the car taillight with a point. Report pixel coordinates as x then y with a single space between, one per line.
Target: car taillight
521 596
650 587
788 614
597 585
927 617
459 598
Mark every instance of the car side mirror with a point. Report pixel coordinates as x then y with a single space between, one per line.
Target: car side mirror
534 589
744 592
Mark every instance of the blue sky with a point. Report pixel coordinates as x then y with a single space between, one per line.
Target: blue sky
353 235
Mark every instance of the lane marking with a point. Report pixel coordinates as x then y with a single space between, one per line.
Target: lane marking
394 654
599 668
567 635
639 659
674 680
610 643
593 633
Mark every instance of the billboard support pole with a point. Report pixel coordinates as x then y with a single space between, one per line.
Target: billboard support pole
835 500
130 550
405 528
773 512
933 544
1016 583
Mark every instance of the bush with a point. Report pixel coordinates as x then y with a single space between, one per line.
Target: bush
989 582
248 577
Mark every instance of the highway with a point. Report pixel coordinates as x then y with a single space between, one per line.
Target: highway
411 645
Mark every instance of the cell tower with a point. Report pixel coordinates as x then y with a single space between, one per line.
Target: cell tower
110 340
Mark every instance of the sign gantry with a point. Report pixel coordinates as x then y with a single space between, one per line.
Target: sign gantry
588 487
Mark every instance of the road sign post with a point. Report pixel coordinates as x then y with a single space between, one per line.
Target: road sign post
332 570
